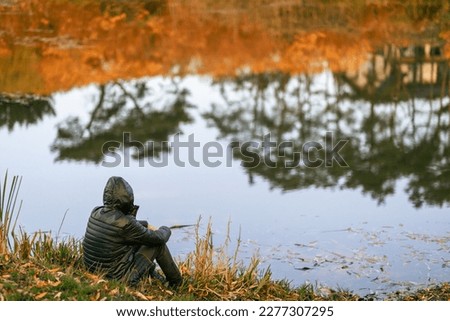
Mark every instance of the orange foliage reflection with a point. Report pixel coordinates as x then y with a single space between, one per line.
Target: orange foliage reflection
54 45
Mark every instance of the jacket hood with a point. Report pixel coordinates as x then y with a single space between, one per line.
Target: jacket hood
118 194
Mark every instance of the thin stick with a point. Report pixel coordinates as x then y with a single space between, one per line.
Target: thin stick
181 226
60 226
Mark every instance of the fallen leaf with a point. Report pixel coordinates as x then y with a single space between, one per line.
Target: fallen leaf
40 296
55 283
113 292
26 265
96 297
38 282
305 268
140 295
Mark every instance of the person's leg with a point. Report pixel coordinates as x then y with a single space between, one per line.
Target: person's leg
142 266
144 258
168 266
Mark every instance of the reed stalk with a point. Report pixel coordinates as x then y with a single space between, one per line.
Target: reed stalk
9 212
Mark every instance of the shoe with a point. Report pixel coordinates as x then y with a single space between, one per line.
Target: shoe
174 284
154 275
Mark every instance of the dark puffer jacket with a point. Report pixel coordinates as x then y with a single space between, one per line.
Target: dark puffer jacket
113 235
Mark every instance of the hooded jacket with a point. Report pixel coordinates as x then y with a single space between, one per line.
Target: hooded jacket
113 235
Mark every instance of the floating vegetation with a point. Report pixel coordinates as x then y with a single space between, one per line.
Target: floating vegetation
375 262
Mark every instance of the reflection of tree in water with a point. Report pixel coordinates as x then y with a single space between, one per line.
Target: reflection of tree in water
23 110
124 108
387 141
275 103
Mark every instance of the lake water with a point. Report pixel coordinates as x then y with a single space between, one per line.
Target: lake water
284 82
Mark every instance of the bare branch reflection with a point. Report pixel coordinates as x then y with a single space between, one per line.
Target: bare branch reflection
124 107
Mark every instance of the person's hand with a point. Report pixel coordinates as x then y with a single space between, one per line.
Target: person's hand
134 210
151 227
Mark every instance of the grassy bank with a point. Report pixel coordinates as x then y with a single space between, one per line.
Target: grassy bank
41 269
37 267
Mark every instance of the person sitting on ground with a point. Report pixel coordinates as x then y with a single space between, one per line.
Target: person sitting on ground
117 244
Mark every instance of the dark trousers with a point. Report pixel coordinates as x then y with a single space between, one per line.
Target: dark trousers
143 265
